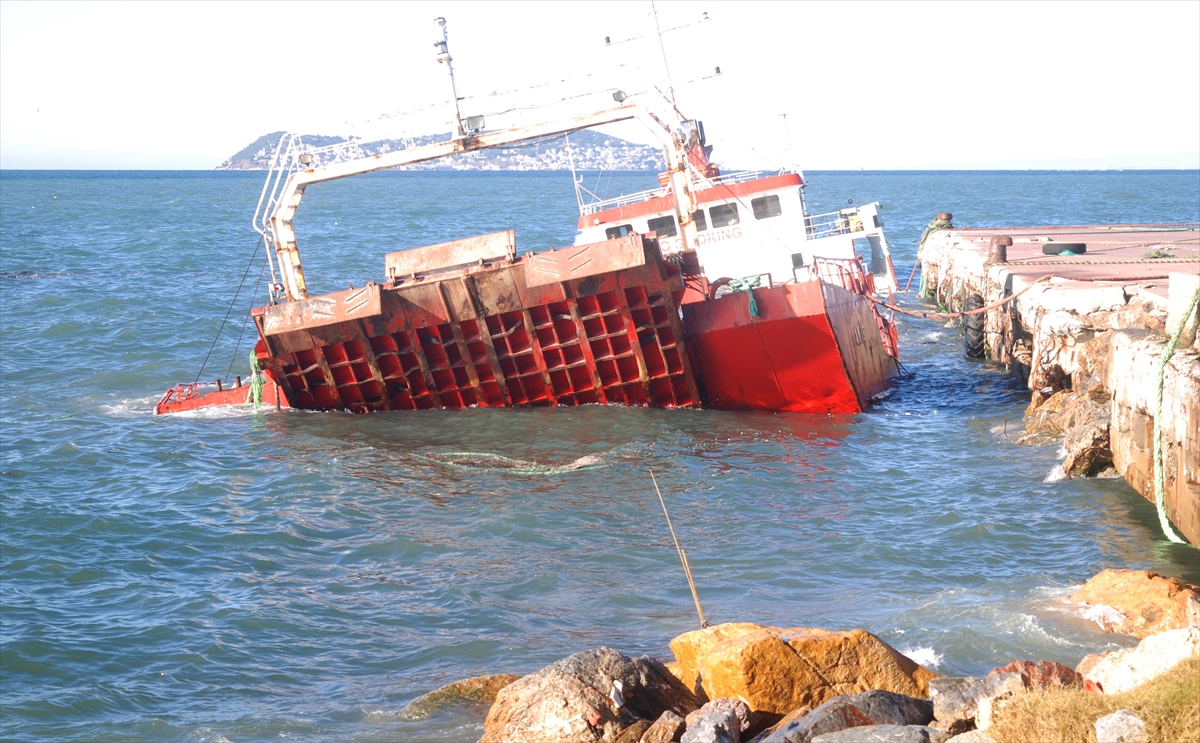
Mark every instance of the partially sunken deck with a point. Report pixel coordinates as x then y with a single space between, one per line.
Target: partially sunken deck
1089 341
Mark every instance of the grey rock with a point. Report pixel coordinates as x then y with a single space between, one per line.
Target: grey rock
1121 726
737 706
667 728
569 700
713 725
884 734
956 700
849 711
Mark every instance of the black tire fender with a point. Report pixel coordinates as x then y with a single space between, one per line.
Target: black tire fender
973 327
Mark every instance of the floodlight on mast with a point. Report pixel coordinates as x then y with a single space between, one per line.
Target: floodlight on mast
443 57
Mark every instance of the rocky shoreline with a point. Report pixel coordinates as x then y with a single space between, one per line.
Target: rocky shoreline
747 683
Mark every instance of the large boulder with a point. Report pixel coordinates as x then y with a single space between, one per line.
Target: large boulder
1137 602
777 670
1121 670
476 690
854 710
590 696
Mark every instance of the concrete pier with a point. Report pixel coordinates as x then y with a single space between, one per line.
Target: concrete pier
1096 310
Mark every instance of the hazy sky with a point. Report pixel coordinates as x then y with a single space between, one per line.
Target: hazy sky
864 85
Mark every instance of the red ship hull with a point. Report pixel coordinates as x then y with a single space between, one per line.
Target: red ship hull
813 348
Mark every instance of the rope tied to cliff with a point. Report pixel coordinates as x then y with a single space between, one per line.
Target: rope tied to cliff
747 285
1159 474
965 313
256 381
932 227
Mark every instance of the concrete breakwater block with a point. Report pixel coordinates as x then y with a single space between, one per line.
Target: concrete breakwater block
1089 327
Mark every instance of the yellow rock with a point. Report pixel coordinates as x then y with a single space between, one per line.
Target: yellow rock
1148 603
777 670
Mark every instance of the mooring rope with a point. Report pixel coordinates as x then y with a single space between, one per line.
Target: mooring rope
748 286
1159 475
951 315
934 226
1147 261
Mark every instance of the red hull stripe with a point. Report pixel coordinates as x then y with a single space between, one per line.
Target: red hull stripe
666 203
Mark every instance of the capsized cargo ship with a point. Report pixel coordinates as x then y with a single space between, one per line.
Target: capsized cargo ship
713 290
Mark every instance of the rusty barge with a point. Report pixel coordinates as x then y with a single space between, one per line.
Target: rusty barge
715 290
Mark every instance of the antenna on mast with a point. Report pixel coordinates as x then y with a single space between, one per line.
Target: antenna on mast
443 57
663 47
787 132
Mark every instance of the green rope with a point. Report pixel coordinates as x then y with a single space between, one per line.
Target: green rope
1159 477
932 227
747 285
256 381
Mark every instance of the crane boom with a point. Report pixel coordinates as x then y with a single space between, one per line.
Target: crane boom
280 232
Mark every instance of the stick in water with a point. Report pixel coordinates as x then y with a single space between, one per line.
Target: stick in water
682 555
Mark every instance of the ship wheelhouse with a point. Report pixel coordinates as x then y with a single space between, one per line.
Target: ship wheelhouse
748 224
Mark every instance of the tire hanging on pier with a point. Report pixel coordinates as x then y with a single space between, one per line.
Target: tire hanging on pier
973 327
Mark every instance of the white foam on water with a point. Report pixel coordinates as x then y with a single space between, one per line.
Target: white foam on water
224 411
1056 474
1027 625
137 407
1104 616
923 656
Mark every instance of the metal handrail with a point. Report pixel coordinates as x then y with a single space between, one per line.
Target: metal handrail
830 224
741 176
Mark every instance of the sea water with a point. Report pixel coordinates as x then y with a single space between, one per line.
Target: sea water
242 575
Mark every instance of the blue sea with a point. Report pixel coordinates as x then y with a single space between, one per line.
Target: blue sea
241 575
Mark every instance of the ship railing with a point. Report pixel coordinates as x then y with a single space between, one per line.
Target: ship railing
725 179
832 223
851 274
848 273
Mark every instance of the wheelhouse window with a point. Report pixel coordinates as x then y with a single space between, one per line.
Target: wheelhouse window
663 226
701 221
766 207
612 233
724 215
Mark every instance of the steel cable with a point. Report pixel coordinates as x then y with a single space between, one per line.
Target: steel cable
230 310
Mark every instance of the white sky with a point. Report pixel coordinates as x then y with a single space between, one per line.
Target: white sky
864 85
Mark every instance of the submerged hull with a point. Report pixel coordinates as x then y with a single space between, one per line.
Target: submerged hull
593 324
590 324
812 348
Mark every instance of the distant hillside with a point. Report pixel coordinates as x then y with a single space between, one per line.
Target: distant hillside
591 150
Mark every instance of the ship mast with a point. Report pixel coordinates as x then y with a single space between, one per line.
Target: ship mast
443 57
